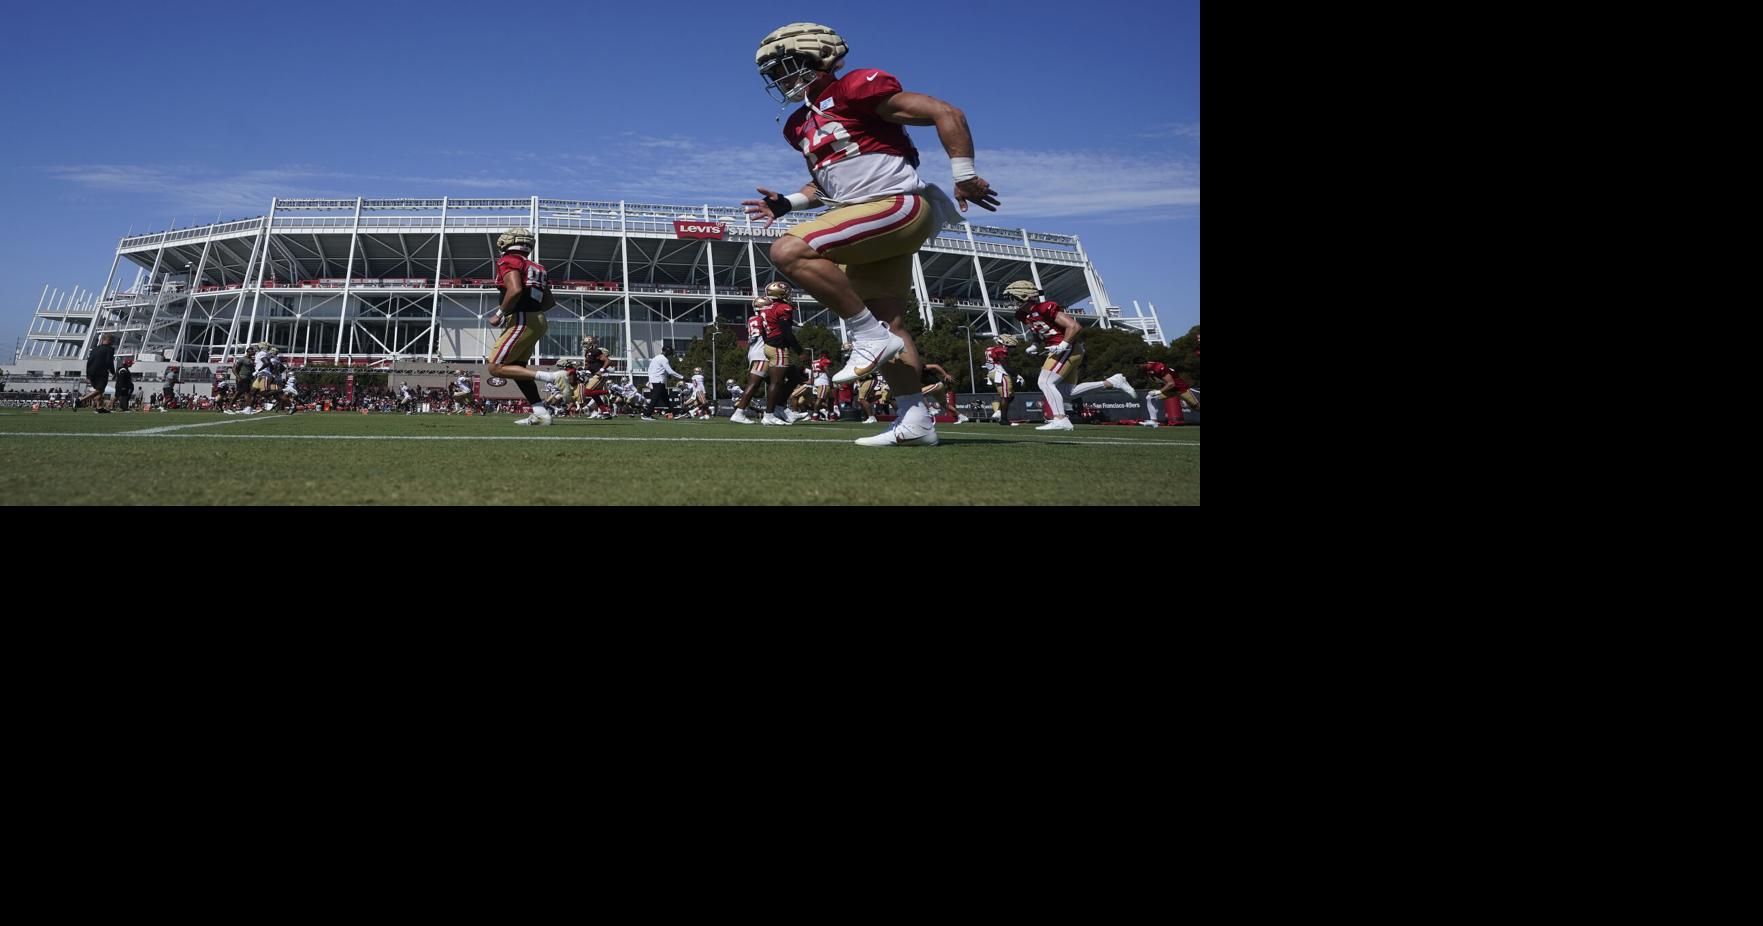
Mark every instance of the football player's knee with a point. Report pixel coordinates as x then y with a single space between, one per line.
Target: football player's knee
1047 380
789 250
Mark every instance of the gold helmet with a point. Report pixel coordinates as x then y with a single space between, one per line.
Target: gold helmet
521 238
760 302
789 56
1023 292
778 291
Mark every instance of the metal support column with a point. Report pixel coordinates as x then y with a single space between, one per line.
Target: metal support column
435 305
979 273
348 278
624 258
177 346
268 228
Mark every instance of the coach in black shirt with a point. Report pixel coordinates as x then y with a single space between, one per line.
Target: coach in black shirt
125 384
99 366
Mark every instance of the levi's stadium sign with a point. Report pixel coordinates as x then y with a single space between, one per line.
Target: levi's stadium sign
698 229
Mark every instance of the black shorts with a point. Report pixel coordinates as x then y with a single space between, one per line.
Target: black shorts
99 380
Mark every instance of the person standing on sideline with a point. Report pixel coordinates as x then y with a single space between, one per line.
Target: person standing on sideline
99 366
125 384
659 371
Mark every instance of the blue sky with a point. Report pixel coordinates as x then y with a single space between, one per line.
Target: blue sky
1086 116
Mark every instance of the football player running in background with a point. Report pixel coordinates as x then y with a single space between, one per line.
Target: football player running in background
758 368
999 377
598 364
1174 391
782 355
526 296
1060 334
699 400
857 258
823 387
291 392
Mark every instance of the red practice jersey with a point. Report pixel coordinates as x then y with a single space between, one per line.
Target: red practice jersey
533 274
1039 319
845 124
822 365
997 354
779 320
1160 373
756 328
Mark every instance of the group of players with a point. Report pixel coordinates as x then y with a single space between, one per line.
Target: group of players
855 259
257 380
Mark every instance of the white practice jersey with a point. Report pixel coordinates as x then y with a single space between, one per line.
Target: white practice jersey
697 383
262 361
462 385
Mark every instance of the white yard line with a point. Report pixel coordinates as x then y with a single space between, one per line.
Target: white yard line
205 424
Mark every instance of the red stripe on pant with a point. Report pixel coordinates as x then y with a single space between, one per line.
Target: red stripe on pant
892 218
513 335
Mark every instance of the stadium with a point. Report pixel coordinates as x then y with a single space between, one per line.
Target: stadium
405 287
379 282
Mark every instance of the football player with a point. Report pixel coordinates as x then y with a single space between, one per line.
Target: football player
1174 391
462 397
1061 335
999 377
823 387
758 368
526 296
698 401
598 364
857 257
782 356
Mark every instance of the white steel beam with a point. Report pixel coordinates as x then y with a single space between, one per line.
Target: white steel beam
348 275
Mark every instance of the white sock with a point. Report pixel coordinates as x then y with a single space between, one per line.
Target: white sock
865 327
1082 388
546 377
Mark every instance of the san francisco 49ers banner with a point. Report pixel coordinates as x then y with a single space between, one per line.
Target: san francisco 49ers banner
698 229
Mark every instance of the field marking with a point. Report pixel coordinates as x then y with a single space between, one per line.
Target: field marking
537 437
205 424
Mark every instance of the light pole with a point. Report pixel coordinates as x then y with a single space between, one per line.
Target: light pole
972 385
715 383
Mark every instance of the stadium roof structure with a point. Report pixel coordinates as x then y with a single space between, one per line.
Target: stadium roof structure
371 281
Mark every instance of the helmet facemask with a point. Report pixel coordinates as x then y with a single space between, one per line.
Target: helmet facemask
788 77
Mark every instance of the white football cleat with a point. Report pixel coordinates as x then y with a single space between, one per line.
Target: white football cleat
1057 424
902 435
543 413
740 417
866 356
870 420
1118 381
1148 424
800 416
773 419
961 419
530 419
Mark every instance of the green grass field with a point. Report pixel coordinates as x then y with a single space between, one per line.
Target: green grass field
204 458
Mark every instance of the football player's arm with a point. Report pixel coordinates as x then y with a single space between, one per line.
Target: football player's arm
513 283
917 109
1069 327
774 206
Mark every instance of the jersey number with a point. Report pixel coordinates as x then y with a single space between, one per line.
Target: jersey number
831 141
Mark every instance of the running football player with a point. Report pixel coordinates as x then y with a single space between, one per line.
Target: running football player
999 377
856 259
758 368
526 296
1174 391
1062 336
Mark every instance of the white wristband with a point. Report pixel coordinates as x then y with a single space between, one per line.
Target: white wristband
798 201
963 168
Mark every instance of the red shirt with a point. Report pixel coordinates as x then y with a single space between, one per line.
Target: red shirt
997 354
756 328
533 274
1040 319
846 124
1159 373
779 320
822 365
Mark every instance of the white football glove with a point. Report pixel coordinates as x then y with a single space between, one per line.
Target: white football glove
1031 349
1060 349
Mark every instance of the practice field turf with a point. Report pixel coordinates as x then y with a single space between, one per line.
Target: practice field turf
337 458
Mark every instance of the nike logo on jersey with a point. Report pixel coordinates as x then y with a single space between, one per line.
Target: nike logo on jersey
872 76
